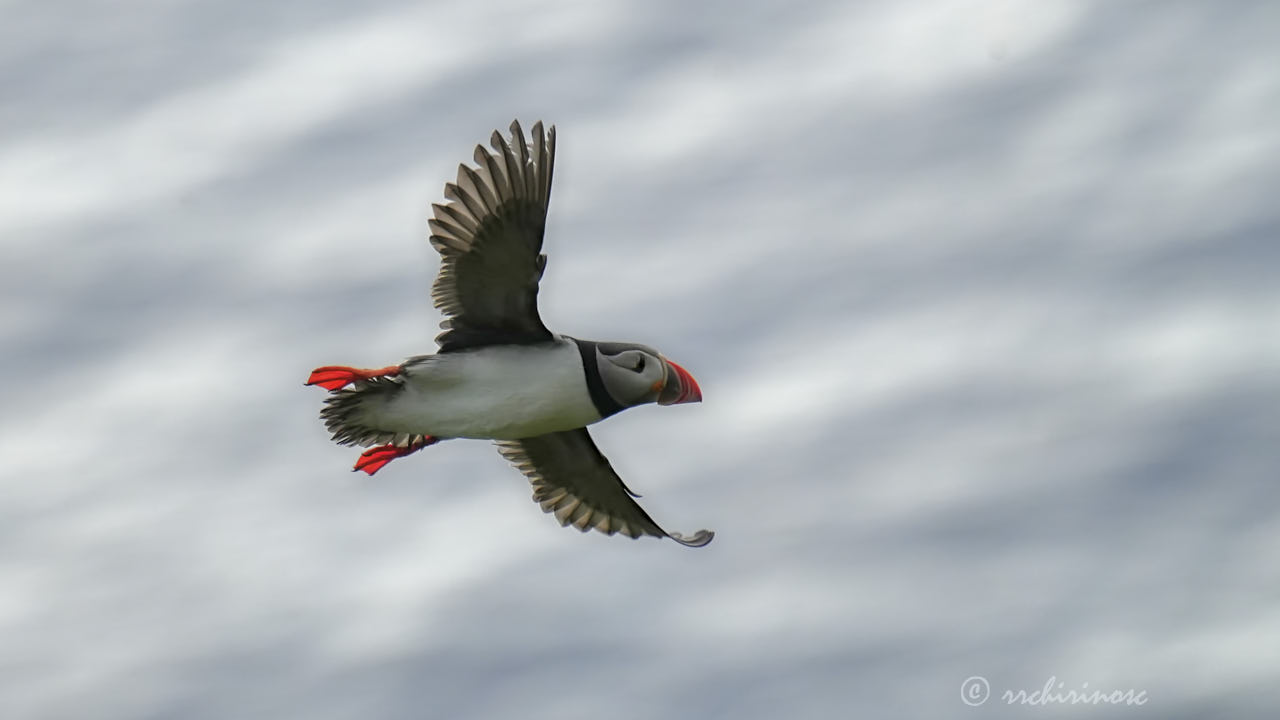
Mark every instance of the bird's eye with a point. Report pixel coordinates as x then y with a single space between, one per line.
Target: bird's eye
640 364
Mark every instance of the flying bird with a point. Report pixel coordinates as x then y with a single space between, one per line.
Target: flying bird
499 373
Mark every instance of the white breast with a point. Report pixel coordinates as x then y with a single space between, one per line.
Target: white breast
498 392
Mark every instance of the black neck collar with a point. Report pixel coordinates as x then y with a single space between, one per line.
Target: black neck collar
600 397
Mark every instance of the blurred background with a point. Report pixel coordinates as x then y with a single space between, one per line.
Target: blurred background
983 296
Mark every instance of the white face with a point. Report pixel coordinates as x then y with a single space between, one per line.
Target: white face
632 377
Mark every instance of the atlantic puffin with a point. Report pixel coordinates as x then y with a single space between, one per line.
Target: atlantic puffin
499 373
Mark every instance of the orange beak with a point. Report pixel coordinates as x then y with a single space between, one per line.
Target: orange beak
680 386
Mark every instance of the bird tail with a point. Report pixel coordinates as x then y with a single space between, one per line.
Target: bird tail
348 412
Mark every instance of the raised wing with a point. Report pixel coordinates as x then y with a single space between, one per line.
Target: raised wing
572 479
489 236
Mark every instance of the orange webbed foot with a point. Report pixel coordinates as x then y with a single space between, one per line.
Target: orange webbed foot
374 459
336 377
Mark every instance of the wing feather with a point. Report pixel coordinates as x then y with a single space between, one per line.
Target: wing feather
451 214
467 201
495 173
489 235
575 482
522 150
515 182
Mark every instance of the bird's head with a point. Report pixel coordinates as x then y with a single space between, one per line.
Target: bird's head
637 374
